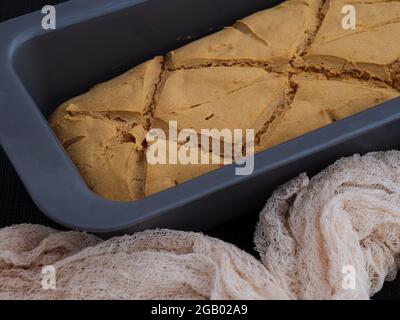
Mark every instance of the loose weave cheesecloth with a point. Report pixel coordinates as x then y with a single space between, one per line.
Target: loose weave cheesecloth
308 232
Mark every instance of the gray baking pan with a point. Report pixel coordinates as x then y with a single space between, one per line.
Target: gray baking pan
96 40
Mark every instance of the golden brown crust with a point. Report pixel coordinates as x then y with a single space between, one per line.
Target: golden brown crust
282 72
319 102
220 97
160 177
271 38
371 50
103 131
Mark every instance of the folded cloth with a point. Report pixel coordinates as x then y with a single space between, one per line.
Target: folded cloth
159 264
336 236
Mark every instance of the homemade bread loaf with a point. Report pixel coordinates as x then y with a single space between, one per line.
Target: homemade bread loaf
283 72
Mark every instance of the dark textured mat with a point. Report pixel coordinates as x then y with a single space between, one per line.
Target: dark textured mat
17 207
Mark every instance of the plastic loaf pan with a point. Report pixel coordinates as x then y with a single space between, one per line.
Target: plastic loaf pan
96 40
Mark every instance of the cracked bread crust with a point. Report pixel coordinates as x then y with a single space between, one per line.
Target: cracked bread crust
372 50
160 177
270 38
318 102
103 132
127 96
284 72
110 165
218 98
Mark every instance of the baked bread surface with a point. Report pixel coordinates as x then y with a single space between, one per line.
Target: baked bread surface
283 72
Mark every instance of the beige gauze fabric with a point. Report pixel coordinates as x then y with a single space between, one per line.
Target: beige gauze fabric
336 236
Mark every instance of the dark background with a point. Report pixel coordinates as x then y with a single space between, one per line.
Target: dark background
16 206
